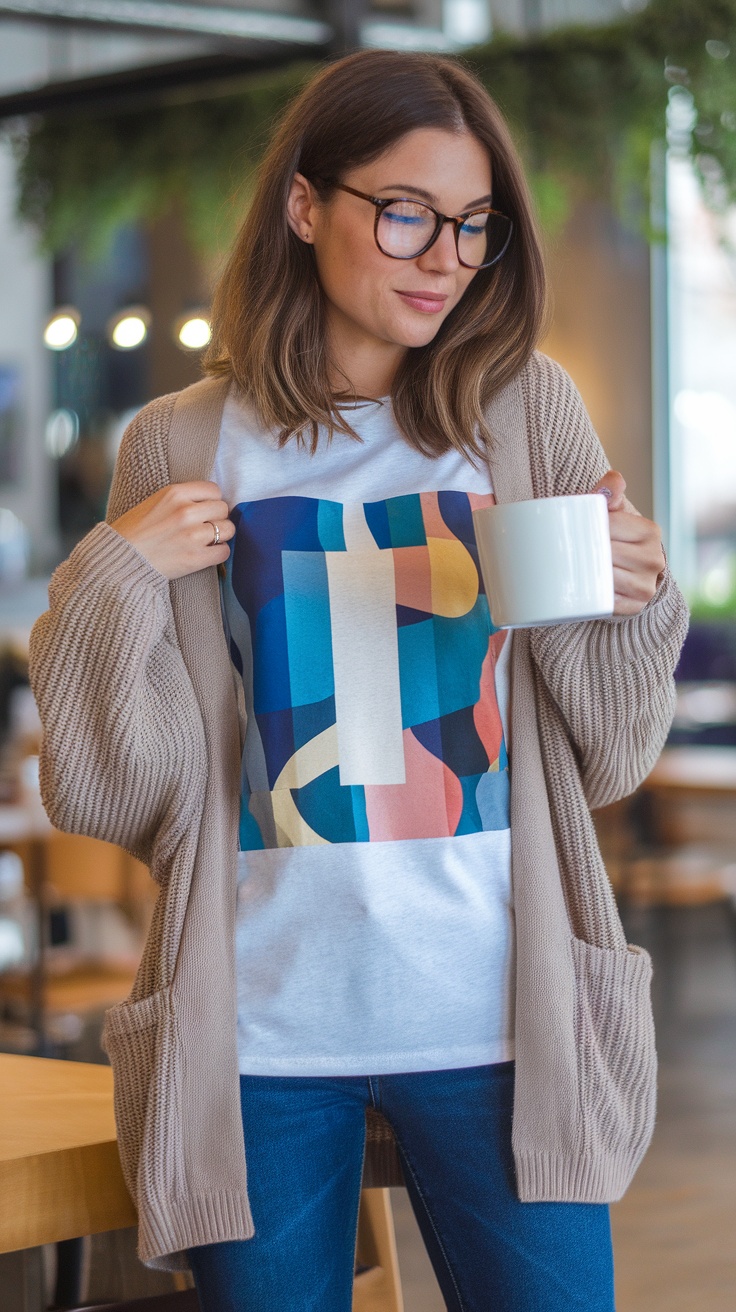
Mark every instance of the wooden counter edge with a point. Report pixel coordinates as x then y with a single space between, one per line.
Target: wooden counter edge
61 1195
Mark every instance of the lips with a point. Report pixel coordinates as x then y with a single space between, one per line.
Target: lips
424 302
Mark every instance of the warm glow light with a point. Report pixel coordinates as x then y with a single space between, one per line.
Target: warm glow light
61 330
129 331
195 333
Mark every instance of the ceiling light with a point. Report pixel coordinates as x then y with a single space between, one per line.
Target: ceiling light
194 332
62 328
129 328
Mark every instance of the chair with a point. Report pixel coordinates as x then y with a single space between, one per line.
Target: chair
671 848
55 991
184 1301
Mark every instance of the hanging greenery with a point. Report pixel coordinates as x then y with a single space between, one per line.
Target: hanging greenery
585 103
588 103
83 175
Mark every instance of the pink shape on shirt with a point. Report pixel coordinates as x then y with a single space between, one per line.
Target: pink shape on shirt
413 578
428 805
486 715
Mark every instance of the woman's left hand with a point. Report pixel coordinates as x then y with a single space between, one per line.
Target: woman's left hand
636 548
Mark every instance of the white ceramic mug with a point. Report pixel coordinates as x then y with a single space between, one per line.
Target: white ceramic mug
546 561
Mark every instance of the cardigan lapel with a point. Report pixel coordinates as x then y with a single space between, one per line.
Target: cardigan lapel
204 995
192 445
195 429
508 456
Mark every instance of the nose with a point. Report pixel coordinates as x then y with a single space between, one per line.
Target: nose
442 254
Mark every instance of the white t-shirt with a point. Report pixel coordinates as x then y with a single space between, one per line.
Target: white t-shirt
375 922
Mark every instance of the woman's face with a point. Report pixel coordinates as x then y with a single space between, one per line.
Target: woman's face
375 299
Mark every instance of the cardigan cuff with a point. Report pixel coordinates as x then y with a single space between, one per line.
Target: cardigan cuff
662 617
566 1178
167 1231
105 557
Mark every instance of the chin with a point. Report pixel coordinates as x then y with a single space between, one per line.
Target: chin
416 335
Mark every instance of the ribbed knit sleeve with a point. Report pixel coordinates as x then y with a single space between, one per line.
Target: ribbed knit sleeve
118 713
612 680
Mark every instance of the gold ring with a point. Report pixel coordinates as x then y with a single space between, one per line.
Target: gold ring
216 530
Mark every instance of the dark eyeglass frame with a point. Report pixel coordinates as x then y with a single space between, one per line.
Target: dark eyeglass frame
457 220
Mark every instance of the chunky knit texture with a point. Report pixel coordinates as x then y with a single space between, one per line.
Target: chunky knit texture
141 747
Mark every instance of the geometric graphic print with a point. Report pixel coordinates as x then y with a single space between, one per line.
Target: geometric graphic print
363 637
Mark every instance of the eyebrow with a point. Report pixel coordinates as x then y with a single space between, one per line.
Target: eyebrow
428 196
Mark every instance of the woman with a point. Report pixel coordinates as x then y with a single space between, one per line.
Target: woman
336 931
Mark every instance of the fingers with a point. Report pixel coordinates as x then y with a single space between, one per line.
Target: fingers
636 556
207 536
198 490
196 548
613 486
630 526
638 559
633 589
196 512
193 510
636 543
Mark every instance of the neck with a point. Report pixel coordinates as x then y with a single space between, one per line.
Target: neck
360 365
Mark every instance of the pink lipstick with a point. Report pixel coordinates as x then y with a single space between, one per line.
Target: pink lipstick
425 302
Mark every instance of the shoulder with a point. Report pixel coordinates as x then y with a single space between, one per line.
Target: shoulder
545 390
148 430
145 459
149 427
548 388
142 466
565 452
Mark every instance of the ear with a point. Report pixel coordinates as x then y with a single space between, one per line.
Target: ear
300 208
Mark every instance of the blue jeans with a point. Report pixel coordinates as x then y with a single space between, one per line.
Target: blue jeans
304 1140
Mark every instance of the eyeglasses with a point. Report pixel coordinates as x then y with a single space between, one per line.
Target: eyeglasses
405 228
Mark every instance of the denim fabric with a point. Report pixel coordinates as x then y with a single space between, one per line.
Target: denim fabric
304 1139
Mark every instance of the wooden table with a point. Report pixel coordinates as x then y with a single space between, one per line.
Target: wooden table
695 769
60 1178
693 791
60 1175
680 849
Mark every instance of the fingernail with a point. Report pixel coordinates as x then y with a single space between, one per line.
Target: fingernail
606 492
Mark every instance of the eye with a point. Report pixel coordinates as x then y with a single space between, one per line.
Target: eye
407 214
475 225
392 217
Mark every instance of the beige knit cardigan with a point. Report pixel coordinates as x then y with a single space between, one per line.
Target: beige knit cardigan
141 747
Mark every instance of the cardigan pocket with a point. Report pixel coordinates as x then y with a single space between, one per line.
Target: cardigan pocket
616 1055
140 1040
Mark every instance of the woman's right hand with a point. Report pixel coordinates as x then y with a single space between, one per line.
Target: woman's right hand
173 528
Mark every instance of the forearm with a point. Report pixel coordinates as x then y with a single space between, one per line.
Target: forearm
613 683
89 665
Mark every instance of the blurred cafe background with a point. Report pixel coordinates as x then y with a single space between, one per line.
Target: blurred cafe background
129 133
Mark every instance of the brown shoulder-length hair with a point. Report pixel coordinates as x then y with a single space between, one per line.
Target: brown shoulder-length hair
268 315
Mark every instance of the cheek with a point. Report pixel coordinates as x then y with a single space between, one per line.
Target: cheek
350 271
464 279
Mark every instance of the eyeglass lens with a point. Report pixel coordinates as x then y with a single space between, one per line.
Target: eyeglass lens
406 227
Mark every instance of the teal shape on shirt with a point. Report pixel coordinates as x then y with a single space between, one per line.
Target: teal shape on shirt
329 526
327 807
250 837
440 662
308 634
405 522
470 821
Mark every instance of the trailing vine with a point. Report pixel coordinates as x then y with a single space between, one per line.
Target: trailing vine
585 104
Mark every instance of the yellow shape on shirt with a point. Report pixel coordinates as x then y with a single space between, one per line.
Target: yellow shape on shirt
454 577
